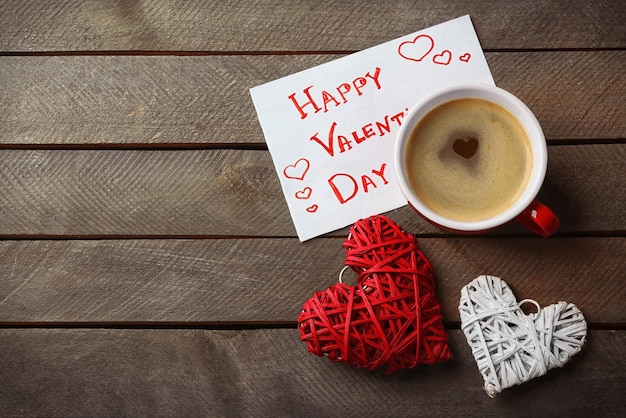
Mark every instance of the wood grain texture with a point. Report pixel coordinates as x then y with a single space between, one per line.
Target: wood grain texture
268 280
268 373
190 192
233 192
74 100
173 100
282 25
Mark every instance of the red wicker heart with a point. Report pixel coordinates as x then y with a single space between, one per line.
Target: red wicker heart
391 318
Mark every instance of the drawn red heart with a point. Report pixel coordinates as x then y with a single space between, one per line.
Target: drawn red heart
298 170
465 57
304 193
443 58
312 208
391 318
417 49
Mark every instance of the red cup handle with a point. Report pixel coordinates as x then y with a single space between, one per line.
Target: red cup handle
539 218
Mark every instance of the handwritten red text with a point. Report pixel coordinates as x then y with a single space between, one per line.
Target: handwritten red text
345 142
311 100
346 186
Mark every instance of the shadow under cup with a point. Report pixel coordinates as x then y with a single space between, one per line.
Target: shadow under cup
524 208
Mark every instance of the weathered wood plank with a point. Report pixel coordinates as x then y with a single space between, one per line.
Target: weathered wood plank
260 280
268 373
280 25
569 97
233 192
160 100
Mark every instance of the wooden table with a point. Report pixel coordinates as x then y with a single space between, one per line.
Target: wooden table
149 265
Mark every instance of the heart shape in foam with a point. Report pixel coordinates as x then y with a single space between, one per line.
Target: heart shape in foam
391 318
465 147
509 346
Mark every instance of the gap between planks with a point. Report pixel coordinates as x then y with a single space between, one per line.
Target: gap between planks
223 325
209 53
255 146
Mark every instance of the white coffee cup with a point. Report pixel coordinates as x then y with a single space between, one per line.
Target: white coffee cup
526 209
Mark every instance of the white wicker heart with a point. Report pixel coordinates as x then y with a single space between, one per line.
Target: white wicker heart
509 346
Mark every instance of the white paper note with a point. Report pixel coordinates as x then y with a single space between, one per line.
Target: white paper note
331 129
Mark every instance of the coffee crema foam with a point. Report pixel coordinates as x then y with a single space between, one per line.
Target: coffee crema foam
468 159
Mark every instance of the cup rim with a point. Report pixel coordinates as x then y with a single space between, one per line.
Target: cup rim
496 95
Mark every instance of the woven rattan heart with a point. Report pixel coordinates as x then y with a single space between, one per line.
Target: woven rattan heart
509 346
391 318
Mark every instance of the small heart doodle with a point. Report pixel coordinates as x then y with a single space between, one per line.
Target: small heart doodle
465 57
509 346
443 58
417 49
391 319
298 170
304 193
312 208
